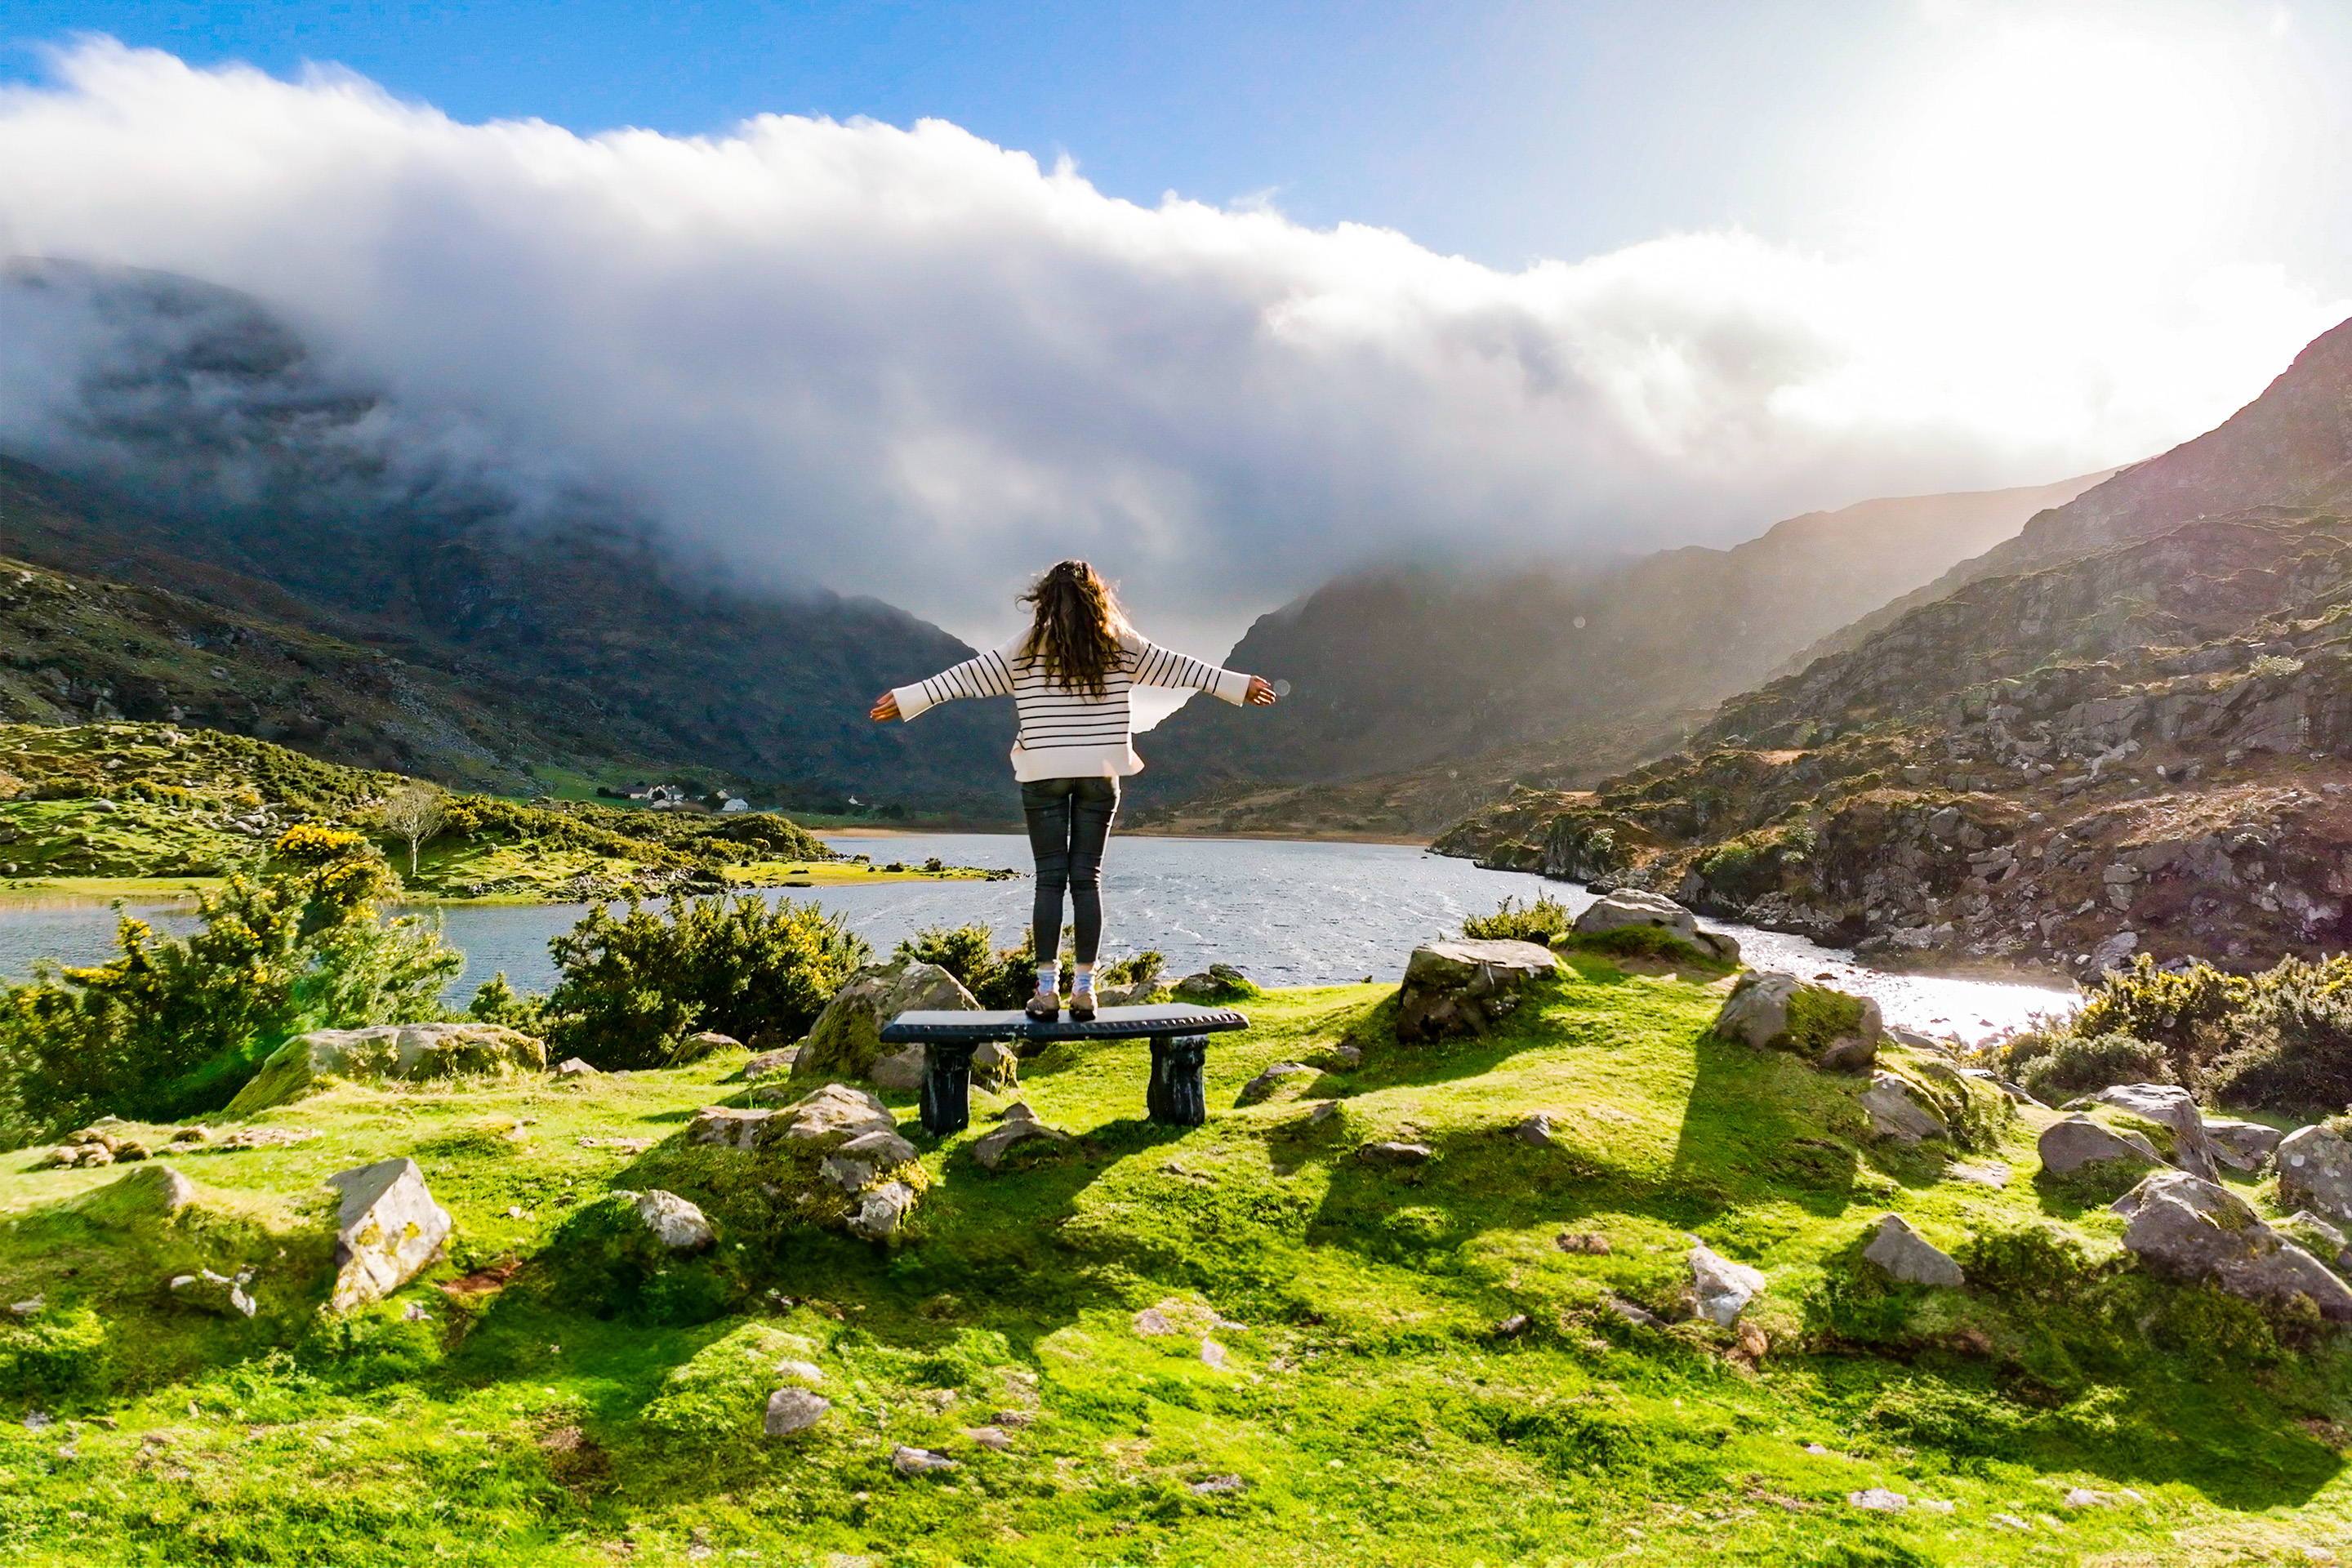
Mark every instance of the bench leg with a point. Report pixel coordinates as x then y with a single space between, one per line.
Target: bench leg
1176 1097
947 1086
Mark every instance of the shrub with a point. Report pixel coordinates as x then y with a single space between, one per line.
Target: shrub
1642 941
632 989
315 844
176 1025
496 1002
1544 920
2055 1068
2299 1055
2189 1014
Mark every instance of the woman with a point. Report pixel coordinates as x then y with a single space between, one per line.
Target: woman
1069 675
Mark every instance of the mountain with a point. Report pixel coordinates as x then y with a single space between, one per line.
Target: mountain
2125 730
517 614
1408 681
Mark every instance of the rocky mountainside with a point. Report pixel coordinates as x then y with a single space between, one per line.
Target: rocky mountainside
1420 692
201 449
2139 747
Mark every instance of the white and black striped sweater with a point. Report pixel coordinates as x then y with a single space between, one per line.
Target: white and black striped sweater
1067 735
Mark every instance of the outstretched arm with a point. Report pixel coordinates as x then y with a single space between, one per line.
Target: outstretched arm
985 676
1157 666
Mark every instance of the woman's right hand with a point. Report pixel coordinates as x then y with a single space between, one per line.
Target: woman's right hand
1261 694
886 708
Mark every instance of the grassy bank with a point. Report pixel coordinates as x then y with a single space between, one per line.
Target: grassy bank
1344 1345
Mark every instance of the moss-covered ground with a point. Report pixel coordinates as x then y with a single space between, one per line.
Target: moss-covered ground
1347 1339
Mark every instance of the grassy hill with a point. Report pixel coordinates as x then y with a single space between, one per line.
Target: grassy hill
1362 1363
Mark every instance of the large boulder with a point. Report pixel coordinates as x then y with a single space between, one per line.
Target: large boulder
2177 1130
2189 1229
1772 1010
845 1041
404 1053
387 1227
1218 982
834 1157
2069 1145
1461 987
2241 1145
1898 1109
2315 1172
1020 1126
1633 907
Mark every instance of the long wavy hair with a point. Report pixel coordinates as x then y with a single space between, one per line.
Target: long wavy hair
1074 627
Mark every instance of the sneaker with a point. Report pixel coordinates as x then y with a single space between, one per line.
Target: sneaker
1082 1006
1043 1007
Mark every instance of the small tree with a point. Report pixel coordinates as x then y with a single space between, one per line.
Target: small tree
416 812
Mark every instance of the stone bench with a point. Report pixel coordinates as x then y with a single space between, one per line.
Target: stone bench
1179 1046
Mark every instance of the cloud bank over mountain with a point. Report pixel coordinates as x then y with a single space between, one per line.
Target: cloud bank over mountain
908 363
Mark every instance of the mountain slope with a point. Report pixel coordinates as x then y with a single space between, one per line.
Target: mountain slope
1548 671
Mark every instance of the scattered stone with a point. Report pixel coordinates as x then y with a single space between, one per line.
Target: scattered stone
1633 907
2069 1145
1751 1341
387 1228
1272 1081
675 1222
31 1307
806 1371
2084 1497
1848 1053
1344 1058
1014 1418
402 1053
1878 1500
39 1421
1935 1505
1512 1327
845 1041
1020 1126
1818 1452
625 1145
1895 1111
2186 1228
131 1149
696 1047
912 1461
1722 1288
794 1410
2010 1522
2243 1145
1213 1353
996 1068
210 1293
881 1211
992 1438
1326 1111
1983 1172
245 1138
1218 982
844 1174
1396 1152
1907 1256
2314 1171
1218 1486
570 1068
1535 1130
1153 1323
1633 1312
1461 987
882 1149
771 1064
154 1189
2319 1238
2171 1108
1587 1243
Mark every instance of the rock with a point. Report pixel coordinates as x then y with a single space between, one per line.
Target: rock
1265 1085
770 1064
675 1222
1773 1010
2188 1228
723 1127
881 1211
1343 1058
996 1068
573 1066
150 1189
1848 1053
30 1307
903 1069
879 1148
210 1292
1633 907
1153 1323
1877 1500
1907 1256
387 1228
1515 1325
845 1041
694 1047
2241 1145
1218 982
834 1114
806 1371
1536 1130
1020 1126
1584 1243
2315 1172
1213 1353
1461 987
2069 1145
401 1053
995 1438
1396 1152
1983 1173
2172 1109
846 1176
1641 1317
1893 1106
794 1410
131 1149
1217 1486
911 1461
1720 1288
2319 1238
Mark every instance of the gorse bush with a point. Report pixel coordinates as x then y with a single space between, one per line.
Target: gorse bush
2054 1069
634 987
1544 920
1004 978
174 1026
2192 1013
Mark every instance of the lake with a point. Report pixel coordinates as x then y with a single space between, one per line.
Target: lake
1285 913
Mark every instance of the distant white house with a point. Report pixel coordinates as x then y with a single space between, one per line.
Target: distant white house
736 803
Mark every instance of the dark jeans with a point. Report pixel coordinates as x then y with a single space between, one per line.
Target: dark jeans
1069 823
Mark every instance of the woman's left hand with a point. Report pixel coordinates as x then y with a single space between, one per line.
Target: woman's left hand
1261 695
886 708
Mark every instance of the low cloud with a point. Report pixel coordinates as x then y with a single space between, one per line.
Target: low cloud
912 363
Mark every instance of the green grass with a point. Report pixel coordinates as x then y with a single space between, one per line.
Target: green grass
1367 1401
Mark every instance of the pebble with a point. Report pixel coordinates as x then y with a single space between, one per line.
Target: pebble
2010 1521
1217 1486
1878 1500
994 1438
1585 1242
912 1461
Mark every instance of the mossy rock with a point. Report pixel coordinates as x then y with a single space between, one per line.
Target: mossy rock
846 1040
606 1259
408 1053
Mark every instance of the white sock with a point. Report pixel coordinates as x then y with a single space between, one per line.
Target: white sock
1049 979
1086 981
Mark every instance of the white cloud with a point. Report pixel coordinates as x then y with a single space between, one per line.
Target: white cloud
909 362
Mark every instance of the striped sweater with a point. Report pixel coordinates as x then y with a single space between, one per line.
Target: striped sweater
1067 735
